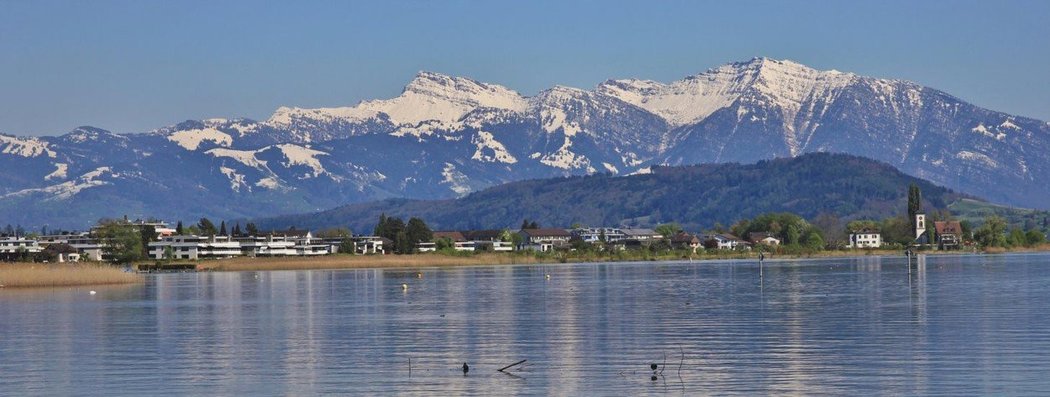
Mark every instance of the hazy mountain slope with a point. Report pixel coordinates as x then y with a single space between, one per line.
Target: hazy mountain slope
696 196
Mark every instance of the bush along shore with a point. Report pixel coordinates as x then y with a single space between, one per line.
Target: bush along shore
63 275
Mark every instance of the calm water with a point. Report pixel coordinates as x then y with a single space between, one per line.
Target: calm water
959 325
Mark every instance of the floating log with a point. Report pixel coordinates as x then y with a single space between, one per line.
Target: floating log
517 363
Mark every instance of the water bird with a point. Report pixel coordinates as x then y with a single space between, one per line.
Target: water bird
466 368
92 292
419 275
653 366
404 287
548 276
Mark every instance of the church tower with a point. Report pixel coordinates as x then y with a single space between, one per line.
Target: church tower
920 225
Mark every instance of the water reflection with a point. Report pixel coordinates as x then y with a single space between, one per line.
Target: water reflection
943 324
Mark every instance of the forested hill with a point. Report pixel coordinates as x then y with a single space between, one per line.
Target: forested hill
694 196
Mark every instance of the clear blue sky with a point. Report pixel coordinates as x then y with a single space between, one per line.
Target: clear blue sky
131 66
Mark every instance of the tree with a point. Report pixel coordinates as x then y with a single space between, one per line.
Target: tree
237 230
812 240
206 228
668 229
1017 238
416 232
393 228
178 228
831 228
914 203
147 234
222 229
1034 237
120 242
992 232
524 224
251 229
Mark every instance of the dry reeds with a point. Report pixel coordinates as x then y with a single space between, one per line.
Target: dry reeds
363 261
62 275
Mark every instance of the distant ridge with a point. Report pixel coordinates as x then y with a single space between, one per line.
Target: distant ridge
696 196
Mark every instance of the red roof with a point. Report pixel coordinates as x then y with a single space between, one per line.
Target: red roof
454 236
947 227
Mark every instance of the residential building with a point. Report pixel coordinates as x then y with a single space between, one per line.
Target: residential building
364 245
596 235
723 241
948 234
11 248
865 239
266 246
489 240
194 247
764 238
639 234
543 239
683 240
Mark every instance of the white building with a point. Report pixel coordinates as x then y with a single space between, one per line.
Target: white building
865 239
266 246
194 247
14 246
724 241
368 245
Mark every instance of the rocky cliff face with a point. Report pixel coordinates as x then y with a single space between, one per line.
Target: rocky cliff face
448 136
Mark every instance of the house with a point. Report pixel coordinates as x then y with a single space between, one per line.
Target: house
490 240
948 234
543 239
723 241
865 238
194 247
639 234
459 241
764 238
364 245
685 241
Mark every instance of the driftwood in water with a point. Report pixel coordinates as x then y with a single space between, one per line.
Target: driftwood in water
517 363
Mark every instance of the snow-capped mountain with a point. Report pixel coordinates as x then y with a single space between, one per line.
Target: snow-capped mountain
448 136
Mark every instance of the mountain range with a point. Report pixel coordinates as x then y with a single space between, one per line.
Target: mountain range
445 137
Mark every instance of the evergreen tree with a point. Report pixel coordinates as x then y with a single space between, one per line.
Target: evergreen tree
251 229
222 228
178 228
416 232
914 203
534 225
525 224
206 227
237 229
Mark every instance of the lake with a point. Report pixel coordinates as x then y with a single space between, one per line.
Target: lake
948 325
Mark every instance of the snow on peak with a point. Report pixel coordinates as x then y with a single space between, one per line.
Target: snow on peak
692 99
25 146
429 96
192 139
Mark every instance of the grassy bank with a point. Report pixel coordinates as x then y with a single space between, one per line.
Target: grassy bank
62 275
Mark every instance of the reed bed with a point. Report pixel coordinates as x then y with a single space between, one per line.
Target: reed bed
21 275
365 261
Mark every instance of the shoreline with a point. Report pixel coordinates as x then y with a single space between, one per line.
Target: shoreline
439 260
20 276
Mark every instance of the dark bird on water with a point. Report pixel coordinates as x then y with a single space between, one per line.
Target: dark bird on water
466 368
652 366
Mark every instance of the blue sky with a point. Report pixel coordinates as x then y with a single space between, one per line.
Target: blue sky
131 66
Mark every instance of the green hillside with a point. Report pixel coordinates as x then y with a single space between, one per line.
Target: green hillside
697 197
